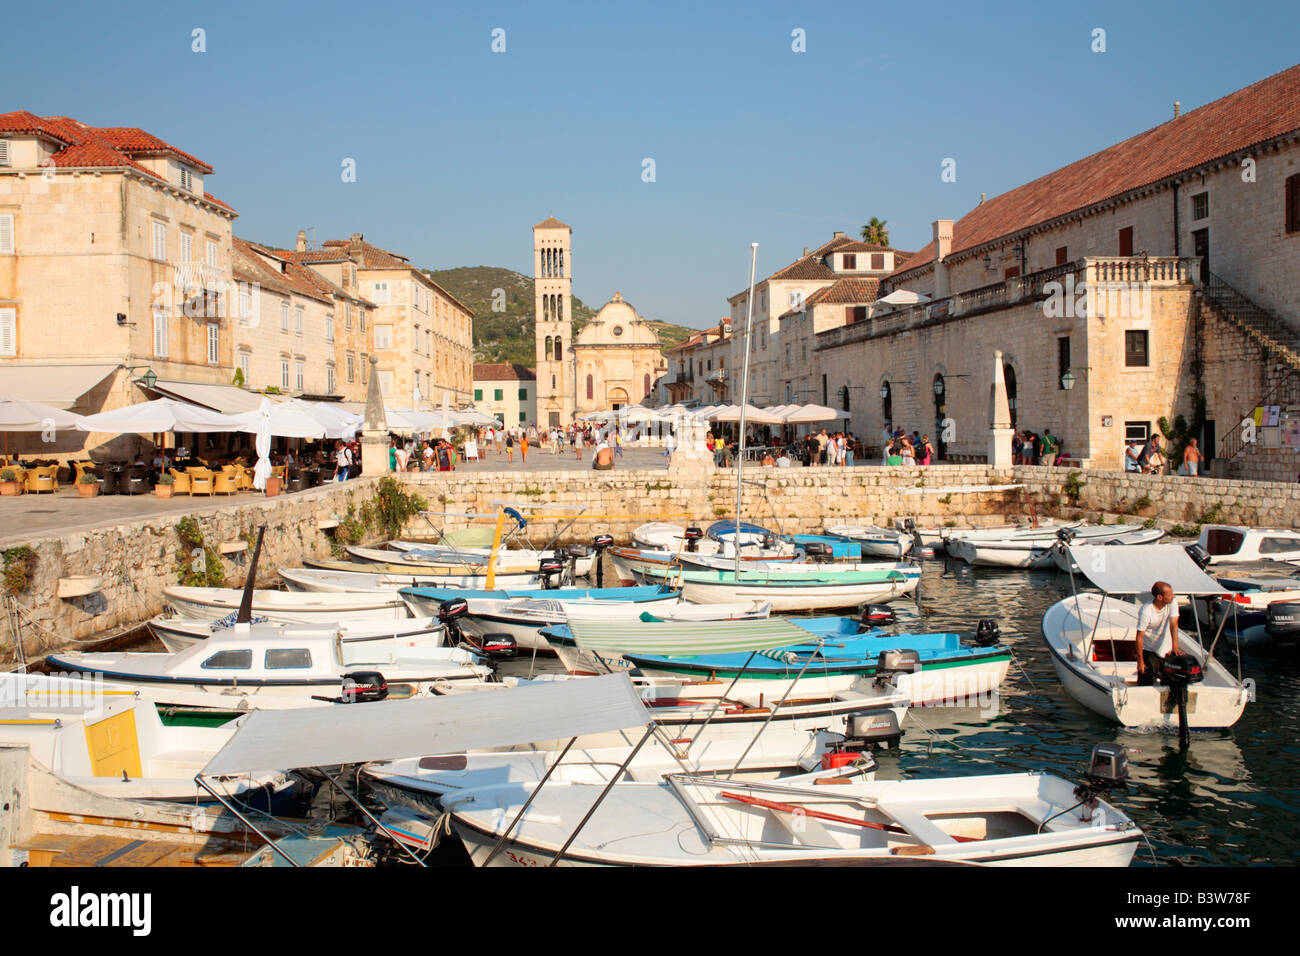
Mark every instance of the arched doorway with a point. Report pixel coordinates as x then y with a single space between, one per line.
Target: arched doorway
940 414
1009 374
887 405
617 398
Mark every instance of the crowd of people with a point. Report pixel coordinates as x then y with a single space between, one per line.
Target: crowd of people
1149 458
1030 448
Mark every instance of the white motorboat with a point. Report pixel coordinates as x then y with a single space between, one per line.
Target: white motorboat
115 745
447 561
1234 543
882 542
351 582
296 662
506 557
796 588
1061 556
1092 639
420 783
178 633
1000 819
523 618
629 561
288 606
1025 549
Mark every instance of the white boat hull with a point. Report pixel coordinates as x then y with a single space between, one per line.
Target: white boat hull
792 598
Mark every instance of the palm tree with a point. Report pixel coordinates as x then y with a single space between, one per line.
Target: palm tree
875 232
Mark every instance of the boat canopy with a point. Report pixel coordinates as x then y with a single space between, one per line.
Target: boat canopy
686 639
273 740
1132 569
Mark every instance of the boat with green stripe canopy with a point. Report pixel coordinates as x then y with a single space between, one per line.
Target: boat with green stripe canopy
795 588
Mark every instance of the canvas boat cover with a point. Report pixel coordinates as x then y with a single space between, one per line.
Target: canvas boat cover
1132 569
274 740
686 639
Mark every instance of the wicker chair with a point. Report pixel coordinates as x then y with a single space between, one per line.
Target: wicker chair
200 481
223 483
43 479
181 486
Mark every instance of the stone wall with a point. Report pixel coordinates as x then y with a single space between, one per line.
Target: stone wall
137 560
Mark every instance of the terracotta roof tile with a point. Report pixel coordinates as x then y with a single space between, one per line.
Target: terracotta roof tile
551 222
250 263
846 292
1252 115
503 372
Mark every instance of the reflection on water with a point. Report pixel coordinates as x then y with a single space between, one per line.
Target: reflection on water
1230 800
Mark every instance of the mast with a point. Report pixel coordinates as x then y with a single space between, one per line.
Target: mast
744 399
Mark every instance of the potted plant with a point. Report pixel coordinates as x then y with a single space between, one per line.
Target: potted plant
87 485
9 482
165 485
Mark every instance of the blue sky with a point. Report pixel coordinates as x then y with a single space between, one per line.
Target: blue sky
460 150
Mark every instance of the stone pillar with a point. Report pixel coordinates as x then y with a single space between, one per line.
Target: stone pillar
1000 430
690 455
374 429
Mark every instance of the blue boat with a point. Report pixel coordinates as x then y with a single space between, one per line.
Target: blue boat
842 549
428 599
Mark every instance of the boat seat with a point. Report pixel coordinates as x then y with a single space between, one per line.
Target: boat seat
917 825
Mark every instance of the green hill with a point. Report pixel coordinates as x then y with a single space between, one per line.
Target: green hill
507 335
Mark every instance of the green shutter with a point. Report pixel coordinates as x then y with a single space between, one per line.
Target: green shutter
523 394
478 394
497 394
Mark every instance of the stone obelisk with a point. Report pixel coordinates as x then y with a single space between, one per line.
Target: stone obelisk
374 429
1000 430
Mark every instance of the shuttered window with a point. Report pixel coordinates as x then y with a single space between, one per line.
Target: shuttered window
329 328
4 152
160 335
297 320
284 316
8 331
7 234
297 371
214 343
212 253
187 248
160 242
284 373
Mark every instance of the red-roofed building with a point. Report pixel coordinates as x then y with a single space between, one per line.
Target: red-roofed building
1148 280
787 289
507 390
114 263
420 333
697 369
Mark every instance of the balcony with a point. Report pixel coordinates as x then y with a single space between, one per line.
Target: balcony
200 275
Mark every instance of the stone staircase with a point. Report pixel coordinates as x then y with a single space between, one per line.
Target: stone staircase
1279 340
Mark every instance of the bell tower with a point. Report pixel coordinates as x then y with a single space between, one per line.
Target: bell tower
553 304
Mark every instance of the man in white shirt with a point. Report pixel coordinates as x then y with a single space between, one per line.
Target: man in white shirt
886 439
1157 632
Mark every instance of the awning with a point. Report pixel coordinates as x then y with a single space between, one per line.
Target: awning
271 740
1133 568
226 399
160 415
685 639
57 385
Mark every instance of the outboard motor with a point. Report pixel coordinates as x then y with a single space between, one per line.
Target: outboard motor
1107 771
818 552
769 541
573 552
1283 623
895 662
550 568
1198 554
878 728
876 615
1177 672
691 536
1065 535
448 613
987 632
599 544
363 687
497 646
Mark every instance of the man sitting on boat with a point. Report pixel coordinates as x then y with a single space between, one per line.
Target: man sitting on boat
1157 632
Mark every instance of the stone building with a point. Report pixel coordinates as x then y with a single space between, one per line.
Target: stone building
421 334
115 262
841 303
697 369
1123 289
787 290
508 391
615 359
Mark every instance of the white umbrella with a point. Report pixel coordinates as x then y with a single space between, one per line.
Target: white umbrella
262 470
753 416
339 423
286 421
161 415
17 415
813 413
472 416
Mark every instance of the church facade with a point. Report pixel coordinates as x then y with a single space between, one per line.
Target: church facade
612 362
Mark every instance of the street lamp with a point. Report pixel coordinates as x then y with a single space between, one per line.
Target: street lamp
1067 380
938 388
884 391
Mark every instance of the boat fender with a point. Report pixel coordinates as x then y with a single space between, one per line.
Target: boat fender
987 632
360 687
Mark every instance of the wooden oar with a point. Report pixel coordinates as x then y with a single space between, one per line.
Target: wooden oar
822 815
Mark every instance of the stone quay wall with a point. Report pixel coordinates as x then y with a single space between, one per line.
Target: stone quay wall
137 560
